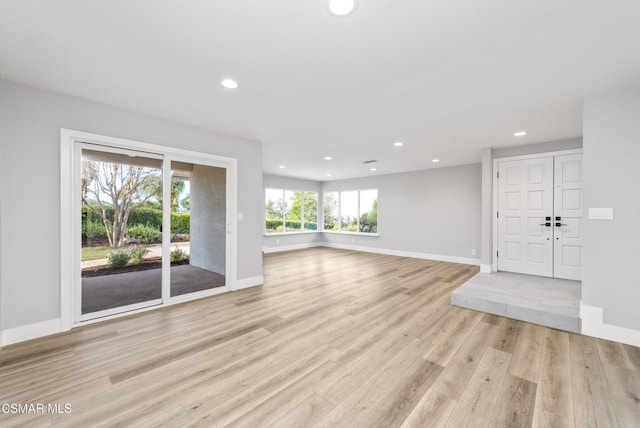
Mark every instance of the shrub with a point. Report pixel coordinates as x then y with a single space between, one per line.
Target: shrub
149 216
180 223
178 255
117 259
276 225
137 253
273 224
145 234
94 230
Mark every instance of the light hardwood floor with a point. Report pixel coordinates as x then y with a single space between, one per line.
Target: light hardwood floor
333 339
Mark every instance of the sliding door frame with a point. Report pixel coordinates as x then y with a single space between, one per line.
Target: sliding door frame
71 142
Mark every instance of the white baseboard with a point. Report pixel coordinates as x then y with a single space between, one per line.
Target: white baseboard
30 331
247 283
278 249
437 257
485 268
593 325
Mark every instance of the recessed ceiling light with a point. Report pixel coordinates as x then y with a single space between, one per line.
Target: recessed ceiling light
435 160
341 7
398 144
373 169
328 175
520 134
281 166
328 158
229 83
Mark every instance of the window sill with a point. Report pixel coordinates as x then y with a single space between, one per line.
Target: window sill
335 232
304 232
311 232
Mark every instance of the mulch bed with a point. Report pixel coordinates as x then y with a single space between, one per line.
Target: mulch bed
146 264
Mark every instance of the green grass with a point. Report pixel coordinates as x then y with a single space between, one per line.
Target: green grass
95 253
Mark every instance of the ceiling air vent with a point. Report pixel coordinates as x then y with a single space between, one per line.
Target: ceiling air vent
369 161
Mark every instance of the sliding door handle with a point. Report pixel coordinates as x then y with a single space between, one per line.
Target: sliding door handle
560 224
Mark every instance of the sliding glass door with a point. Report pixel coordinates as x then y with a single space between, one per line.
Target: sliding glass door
154 230
122 214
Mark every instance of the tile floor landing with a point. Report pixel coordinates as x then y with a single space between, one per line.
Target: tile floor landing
549 302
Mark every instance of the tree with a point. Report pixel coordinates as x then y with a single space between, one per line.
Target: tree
120 187
369 221
331 210
275 209
177 187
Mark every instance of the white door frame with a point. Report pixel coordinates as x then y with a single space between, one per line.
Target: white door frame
70 227
496 161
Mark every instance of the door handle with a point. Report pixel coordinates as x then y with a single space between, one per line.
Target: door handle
547 224
560 224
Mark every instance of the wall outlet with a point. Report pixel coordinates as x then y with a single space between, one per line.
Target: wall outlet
473 252
353 240
277 241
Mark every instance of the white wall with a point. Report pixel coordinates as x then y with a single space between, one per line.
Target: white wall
291 240
435 211
30 122
530 149
611 279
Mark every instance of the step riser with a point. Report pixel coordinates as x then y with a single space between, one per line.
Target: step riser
547 319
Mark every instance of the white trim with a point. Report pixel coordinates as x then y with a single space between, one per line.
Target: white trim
593 325
108 313
339 232
399 253
267 250
494 180
173 301
198 295
302 232
30 331
243 283
539 155
485 268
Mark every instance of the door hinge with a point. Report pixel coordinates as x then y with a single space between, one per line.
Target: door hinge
497 254
497 214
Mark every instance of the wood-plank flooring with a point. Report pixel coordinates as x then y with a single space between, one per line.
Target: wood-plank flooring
333 339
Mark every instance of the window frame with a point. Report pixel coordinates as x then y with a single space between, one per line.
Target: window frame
284 217
339 213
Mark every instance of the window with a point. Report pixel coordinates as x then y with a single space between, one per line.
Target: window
290 211
354 211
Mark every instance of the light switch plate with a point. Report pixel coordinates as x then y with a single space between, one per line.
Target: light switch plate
240 216
601 213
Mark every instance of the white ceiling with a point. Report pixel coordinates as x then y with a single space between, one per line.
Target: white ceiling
446 77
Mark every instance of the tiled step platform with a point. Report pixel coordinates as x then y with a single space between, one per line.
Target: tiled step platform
549 302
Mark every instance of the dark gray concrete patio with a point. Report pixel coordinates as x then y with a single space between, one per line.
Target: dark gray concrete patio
111 291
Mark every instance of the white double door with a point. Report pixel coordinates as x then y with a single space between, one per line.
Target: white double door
540 216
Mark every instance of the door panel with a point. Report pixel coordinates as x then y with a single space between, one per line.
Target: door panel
121 265
525 199
568 206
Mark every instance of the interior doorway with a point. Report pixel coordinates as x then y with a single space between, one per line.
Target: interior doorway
539 215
